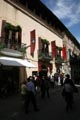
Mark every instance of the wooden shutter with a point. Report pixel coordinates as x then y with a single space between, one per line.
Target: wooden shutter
64 52
53 48
32 41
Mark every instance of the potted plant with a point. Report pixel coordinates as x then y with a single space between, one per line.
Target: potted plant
23 49
45 41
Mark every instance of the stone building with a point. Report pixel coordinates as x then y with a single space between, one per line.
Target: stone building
30 31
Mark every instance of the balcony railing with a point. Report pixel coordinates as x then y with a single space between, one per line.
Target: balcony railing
16 47
47 56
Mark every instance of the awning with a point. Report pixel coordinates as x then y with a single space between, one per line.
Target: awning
8 61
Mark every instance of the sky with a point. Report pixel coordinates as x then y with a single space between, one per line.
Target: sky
68 12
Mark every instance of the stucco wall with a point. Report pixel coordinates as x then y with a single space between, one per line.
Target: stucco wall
16 17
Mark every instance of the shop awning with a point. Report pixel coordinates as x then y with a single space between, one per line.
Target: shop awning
8 61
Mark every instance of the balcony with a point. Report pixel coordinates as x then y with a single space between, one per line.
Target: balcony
16 50
59 60
44 56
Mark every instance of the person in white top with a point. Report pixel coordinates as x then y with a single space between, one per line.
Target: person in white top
23 90
51 78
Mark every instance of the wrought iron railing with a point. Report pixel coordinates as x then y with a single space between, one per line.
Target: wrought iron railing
15 46
44 55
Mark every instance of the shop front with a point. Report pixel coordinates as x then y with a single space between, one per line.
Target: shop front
12 73
9 80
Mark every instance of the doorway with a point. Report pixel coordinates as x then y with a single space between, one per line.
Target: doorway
9 80
44 71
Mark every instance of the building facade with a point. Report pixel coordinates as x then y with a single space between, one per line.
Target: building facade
31 31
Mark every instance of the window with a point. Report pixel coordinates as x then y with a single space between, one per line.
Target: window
12 36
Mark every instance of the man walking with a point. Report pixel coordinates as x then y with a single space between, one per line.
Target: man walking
31 95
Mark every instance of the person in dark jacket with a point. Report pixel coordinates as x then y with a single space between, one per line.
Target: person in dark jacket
31 97
44 87
68 87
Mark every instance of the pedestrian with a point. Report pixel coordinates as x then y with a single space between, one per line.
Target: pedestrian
31 95
51 79
24 91
61 79
47 86
44 87
68 89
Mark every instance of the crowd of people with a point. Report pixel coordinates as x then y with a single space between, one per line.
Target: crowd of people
42 85
31 87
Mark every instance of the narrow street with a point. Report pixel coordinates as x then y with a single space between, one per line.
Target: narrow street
52 108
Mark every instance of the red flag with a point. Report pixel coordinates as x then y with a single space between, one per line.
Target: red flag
53 47
64 53
33 41
39 65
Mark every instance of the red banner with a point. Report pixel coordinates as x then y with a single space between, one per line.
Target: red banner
39 65
53 48
64 53
33 41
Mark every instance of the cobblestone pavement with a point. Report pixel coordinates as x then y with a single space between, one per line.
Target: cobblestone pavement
50 108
